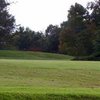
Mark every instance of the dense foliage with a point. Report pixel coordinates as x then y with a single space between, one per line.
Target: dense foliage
6 24
81 34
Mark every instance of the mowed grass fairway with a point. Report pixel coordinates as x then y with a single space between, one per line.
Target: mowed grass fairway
24 79
46 73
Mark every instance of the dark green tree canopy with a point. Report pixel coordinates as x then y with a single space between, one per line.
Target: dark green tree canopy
95 15
76 17
75 37
6 22
52 38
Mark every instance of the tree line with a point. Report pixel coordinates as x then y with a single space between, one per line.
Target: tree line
78 36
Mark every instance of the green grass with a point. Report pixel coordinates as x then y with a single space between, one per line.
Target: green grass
7 54
46 73
46 76
19 93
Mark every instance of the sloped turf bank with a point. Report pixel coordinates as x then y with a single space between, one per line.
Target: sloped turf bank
29 55
49 94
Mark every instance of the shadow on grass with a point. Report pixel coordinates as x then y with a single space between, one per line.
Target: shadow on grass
18 96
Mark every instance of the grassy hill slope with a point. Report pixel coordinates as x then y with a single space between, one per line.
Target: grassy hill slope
6 54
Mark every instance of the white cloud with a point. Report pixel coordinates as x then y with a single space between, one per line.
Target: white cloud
38 14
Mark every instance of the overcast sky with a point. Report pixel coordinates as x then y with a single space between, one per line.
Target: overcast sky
38 14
